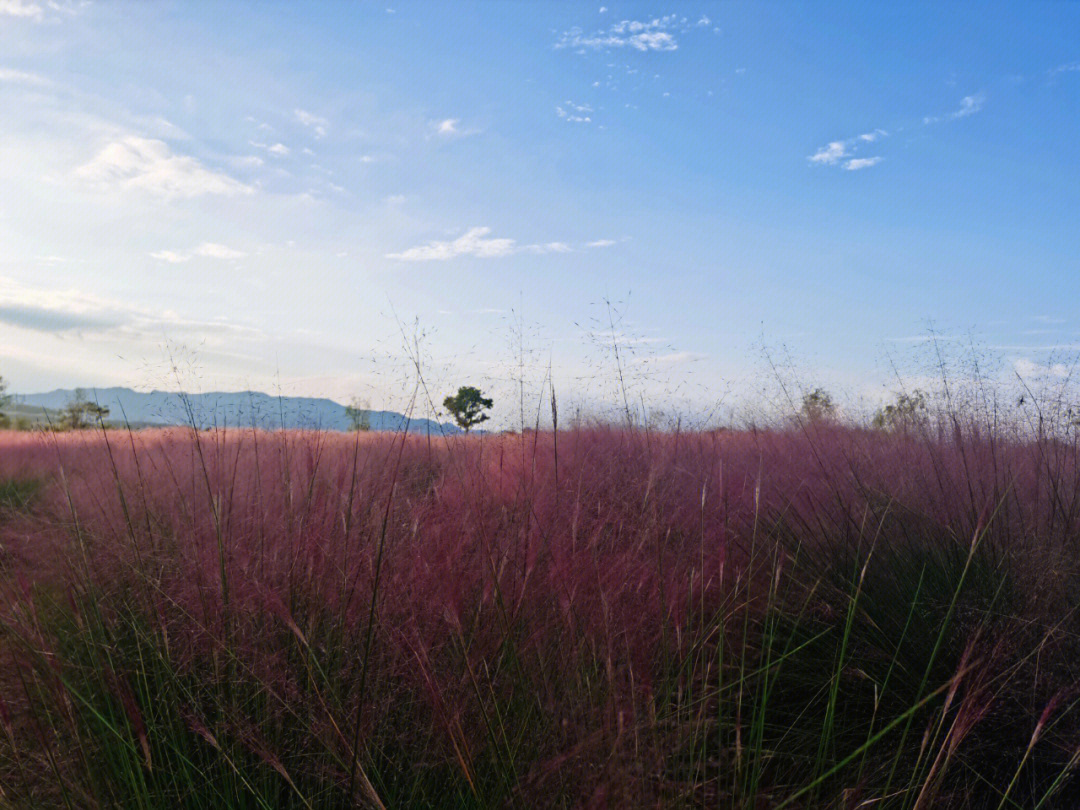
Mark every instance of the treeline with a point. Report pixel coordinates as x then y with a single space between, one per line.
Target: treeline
78 414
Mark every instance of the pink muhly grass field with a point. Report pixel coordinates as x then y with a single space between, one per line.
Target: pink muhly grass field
598 617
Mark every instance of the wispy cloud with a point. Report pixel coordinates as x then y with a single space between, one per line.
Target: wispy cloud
36 11
478 243
22 8
600 243
861 163
1029 369
75 313
657 34
247 161
276 149
1068 67
12 76
843 152
451 128
474 242
969 105
575 113
317 124
209 250
832 153
144 164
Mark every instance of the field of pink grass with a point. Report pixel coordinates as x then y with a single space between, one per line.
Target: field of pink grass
813 617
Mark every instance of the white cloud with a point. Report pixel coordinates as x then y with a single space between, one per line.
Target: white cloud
473 242
35 11
550 247
1032 370
833 153
147 165
654 41
25 9
215 251
843 152
603 9
1069 67
209 250
278 149
861 163
969 105
317 124
170 256
22 77
476 242
574 113
600 243
451 128
657 34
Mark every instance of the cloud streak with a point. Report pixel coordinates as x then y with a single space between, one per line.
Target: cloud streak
150 166
478 243
209 250
72 313
856 164
969 105
12 76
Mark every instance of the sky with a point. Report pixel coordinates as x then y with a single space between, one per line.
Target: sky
664 200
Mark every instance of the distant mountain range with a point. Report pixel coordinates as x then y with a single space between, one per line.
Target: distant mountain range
228 409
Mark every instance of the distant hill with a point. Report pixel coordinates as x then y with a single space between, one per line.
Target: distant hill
226 409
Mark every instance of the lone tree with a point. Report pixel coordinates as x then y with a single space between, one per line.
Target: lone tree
467 407
907 412
81 413
359 413
817 406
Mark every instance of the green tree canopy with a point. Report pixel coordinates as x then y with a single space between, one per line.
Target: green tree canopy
468 406
908 411
359 414
817 406
81 413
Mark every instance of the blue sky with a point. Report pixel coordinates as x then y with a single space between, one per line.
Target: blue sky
275 192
